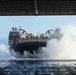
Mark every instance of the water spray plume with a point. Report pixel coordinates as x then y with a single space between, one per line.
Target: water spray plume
65 48
4 51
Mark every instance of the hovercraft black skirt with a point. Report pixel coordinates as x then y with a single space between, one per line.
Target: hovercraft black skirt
28 46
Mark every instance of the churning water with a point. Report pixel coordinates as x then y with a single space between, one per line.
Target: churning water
65 48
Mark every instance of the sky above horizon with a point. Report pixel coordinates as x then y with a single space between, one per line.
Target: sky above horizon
33 24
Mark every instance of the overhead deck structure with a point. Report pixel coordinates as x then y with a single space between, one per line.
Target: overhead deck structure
37 7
